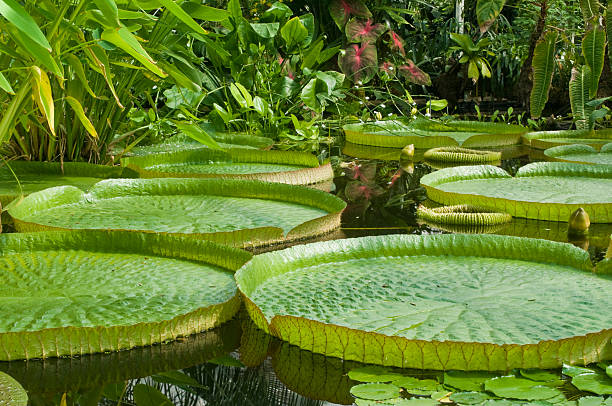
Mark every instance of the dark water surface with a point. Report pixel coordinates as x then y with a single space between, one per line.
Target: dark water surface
237 364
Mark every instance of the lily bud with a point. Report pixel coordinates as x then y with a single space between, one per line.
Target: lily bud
407 152
579 222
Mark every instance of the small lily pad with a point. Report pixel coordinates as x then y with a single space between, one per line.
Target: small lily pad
596 382
467 381
571 370
416 386
366 402
373 374
11 392
594 401
375 391
415 402
519 388
540 375
469 398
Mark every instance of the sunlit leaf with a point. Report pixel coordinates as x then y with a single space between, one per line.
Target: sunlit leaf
78 110
41 89
124 39
19 17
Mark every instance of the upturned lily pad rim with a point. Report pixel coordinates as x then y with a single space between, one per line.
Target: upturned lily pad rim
545 139
559 153
464 215
463 155
599 212
76 169
310 173
253 237
79 340
375 348
426 135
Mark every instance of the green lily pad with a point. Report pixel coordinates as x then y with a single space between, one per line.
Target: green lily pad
518 388
87 291
541 190
467 381
432 134
549 139
582 154
237 212
597 382
35 176
469 398
298 168
572 370
373 374
416 386
496 309
11 392
594 401
375 391
540 375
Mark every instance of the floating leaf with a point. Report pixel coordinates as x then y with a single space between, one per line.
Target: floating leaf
579 153
518 388
469 398
467 381
414 74
373 374
597 382
594 401
375 391
572 370
359 63
540 375
11 392
358 30
416 386
342 10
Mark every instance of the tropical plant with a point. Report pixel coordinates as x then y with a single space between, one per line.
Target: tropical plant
68 86
473 54
543 69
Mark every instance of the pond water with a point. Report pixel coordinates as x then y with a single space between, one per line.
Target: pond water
236 364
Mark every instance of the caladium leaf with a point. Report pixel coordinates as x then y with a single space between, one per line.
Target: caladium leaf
359 63
386 70
358 30
397 43
342 10
413 74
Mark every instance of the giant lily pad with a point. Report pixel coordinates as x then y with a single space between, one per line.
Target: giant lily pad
549 139
431 134
542 190
80 292
235 212
274 166
434 302
35 176
582 154
11 392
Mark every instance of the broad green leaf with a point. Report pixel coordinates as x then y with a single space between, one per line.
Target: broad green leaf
241 94
19 17
197 133
543 191
39 53
273 166
578 153
78 110
375 391
277 12
79 72
594 50
110 12
597 382
235 212
373 374
487 11
145 395
543 68
233 7
609 370
579 90
518 388
5 85
206 13
540 375
572 370
467 381
590 10
594 401
95 274
308 21
548 139
124 39
266 30
11 392
469 398
416 386
293 32
381 294
176 10
41 90
312 54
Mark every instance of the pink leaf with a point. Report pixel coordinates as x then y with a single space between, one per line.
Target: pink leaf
342 10
359 63
413 74
397 43
363 31
387 69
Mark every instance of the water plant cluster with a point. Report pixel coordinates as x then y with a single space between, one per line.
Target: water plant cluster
178 179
